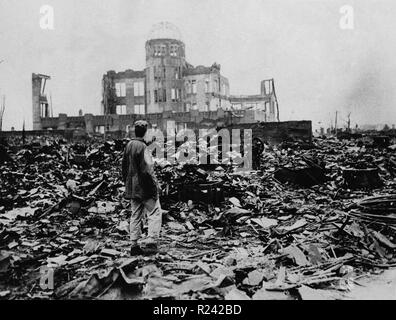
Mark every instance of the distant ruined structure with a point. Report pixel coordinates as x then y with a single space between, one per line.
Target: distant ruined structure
169 92
39 100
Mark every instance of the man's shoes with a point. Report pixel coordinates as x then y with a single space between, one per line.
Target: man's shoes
136 251
151 248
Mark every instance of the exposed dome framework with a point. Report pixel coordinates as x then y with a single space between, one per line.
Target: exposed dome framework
165 30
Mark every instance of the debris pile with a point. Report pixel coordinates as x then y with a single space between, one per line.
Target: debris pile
296 228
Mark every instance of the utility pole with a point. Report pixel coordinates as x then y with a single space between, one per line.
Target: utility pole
335 123
23 132
105 105
2 108
50 97
349 122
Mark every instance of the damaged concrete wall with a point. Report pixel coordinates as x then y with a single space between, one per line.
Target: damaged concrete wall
276 132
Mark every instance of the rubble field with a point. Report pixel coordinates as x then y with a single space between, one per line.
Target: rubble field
309 223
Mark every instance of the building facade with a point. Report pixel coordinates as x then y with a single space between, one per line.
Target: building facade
170 84
169 93
264 105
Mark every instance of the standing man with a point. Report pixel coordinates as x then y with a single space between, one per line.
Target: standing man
141 187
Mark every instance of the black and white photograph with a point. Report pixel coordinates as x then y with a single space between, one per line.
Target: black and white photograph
212 151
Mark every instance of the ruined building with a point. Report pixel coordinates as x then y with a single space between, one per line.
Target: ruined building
170 84
169 92
39 100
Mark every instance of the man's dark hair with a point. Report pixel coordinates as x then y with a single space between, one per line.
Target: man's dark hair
140 128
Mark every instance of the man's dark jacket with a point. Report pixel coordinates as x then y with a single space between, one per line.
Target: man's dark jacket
138 171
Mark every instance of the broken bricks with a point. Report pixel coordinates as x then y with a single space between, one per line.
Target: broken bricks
266 240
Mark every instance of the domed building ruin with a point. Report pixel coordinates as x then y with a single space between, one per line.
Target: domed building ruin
169 92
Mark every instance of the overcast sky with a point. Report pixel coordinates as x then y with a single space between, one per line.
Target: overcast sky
317 66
